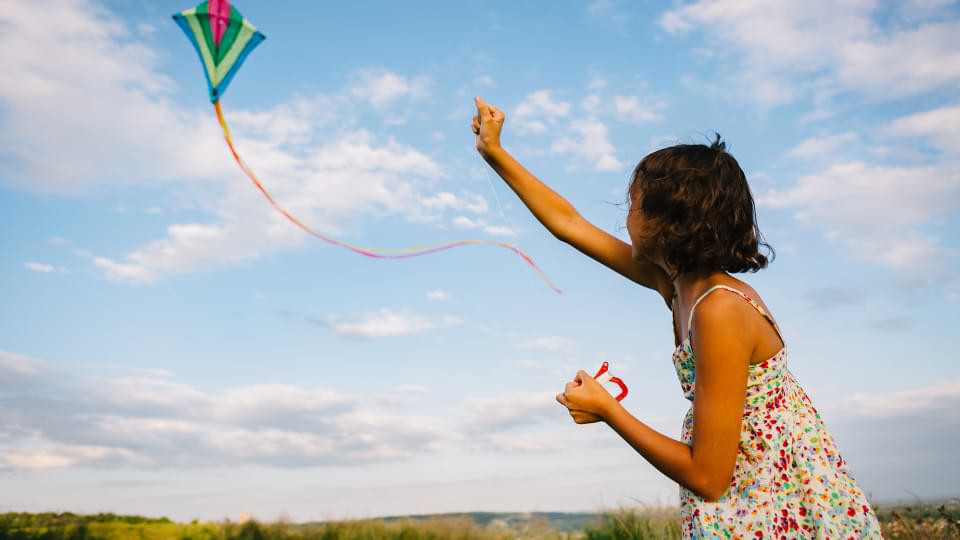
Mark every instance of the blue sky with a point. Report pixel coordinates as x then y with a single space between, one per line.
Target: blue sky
168 345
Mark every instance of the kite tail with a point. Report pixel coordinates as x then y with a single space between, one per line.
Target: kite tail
372 253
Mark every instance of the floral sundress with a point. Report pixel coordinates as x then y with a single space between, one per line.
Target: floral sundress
790 481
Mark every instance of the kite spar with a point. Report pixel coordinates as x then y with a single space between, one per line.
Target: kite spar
223 39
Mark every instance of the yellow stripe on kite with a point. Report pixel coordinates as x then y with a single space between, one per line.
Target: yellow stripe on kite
246 34
194 22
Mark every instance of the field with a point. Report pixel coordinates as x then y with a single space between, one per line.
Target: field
923 521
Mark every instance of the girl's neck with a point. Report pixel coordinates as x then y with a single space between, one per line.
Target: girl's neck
691 285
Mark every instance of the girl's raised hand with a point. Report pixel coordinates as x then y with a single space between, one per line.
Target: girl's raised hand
586 399
487 125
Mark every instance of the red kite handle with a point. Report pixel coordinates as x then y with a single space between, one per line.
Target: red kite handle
603 376
602 370
623 388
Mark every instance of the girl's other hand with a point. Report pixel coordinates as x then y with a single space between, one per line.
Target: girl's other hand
487 125
586 399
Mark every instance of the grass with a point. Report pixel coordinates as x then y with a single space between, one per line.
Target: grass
922 521
629 524
936 521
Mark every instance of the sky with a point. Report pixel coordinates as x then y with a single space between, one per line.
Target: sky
170 346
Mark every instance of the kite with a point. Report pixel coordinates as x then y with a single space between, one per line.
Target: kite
223 39
604 376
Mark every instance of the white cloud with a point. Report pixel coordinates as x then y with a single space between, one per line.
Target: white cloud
119 127
825 147
187 246
295 122
941 126
42 454
592 104
609 10
902 62
38 267
17 363
635 109
592 144
149 420
42 268
508 411
862 197
325 187
676 22
388 323
382 87
152 421
467 223
783 46
632 109
278 398
438 295
538 111
464 222
887 214
470 202
586 138
878 211
499 230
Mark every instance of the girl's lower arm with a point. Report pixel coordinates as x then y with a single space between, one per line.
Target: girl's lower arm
550 209
670 456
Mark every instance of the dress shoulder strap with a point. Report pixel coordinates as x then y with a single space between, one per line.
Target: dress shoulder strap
745 297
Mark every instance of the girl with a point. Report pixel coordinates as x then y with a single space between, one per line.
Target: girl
755 459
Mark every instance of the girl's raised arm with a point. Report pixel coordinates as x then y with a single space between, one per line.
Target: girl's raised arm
557 214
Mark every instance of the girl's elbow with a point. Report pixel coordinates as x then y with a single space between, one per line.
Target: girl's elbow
714 495
712 489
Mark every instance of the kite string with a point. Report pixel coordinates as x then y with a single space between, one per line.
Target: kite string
503 215
496 197
376 254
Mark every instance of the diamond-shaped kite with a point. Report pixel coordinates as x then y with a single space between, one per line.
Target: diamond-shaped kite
222 37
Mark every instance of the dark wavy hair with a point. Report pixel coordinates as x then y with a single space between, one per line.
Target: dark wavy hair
699 209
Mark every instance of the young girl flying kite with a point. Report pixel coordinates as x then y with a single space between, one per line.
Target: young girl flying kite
755 459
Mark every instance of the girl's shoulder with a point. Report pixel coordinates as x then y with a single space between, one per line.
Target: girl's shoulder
750 293
744 308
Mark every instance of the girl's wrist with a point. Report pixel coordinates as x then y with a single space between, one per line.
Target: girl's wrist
610 410
494 154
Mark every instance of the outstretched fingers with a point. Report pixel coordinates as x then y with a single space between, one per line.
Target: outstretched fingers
495 113
483 109
486 110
